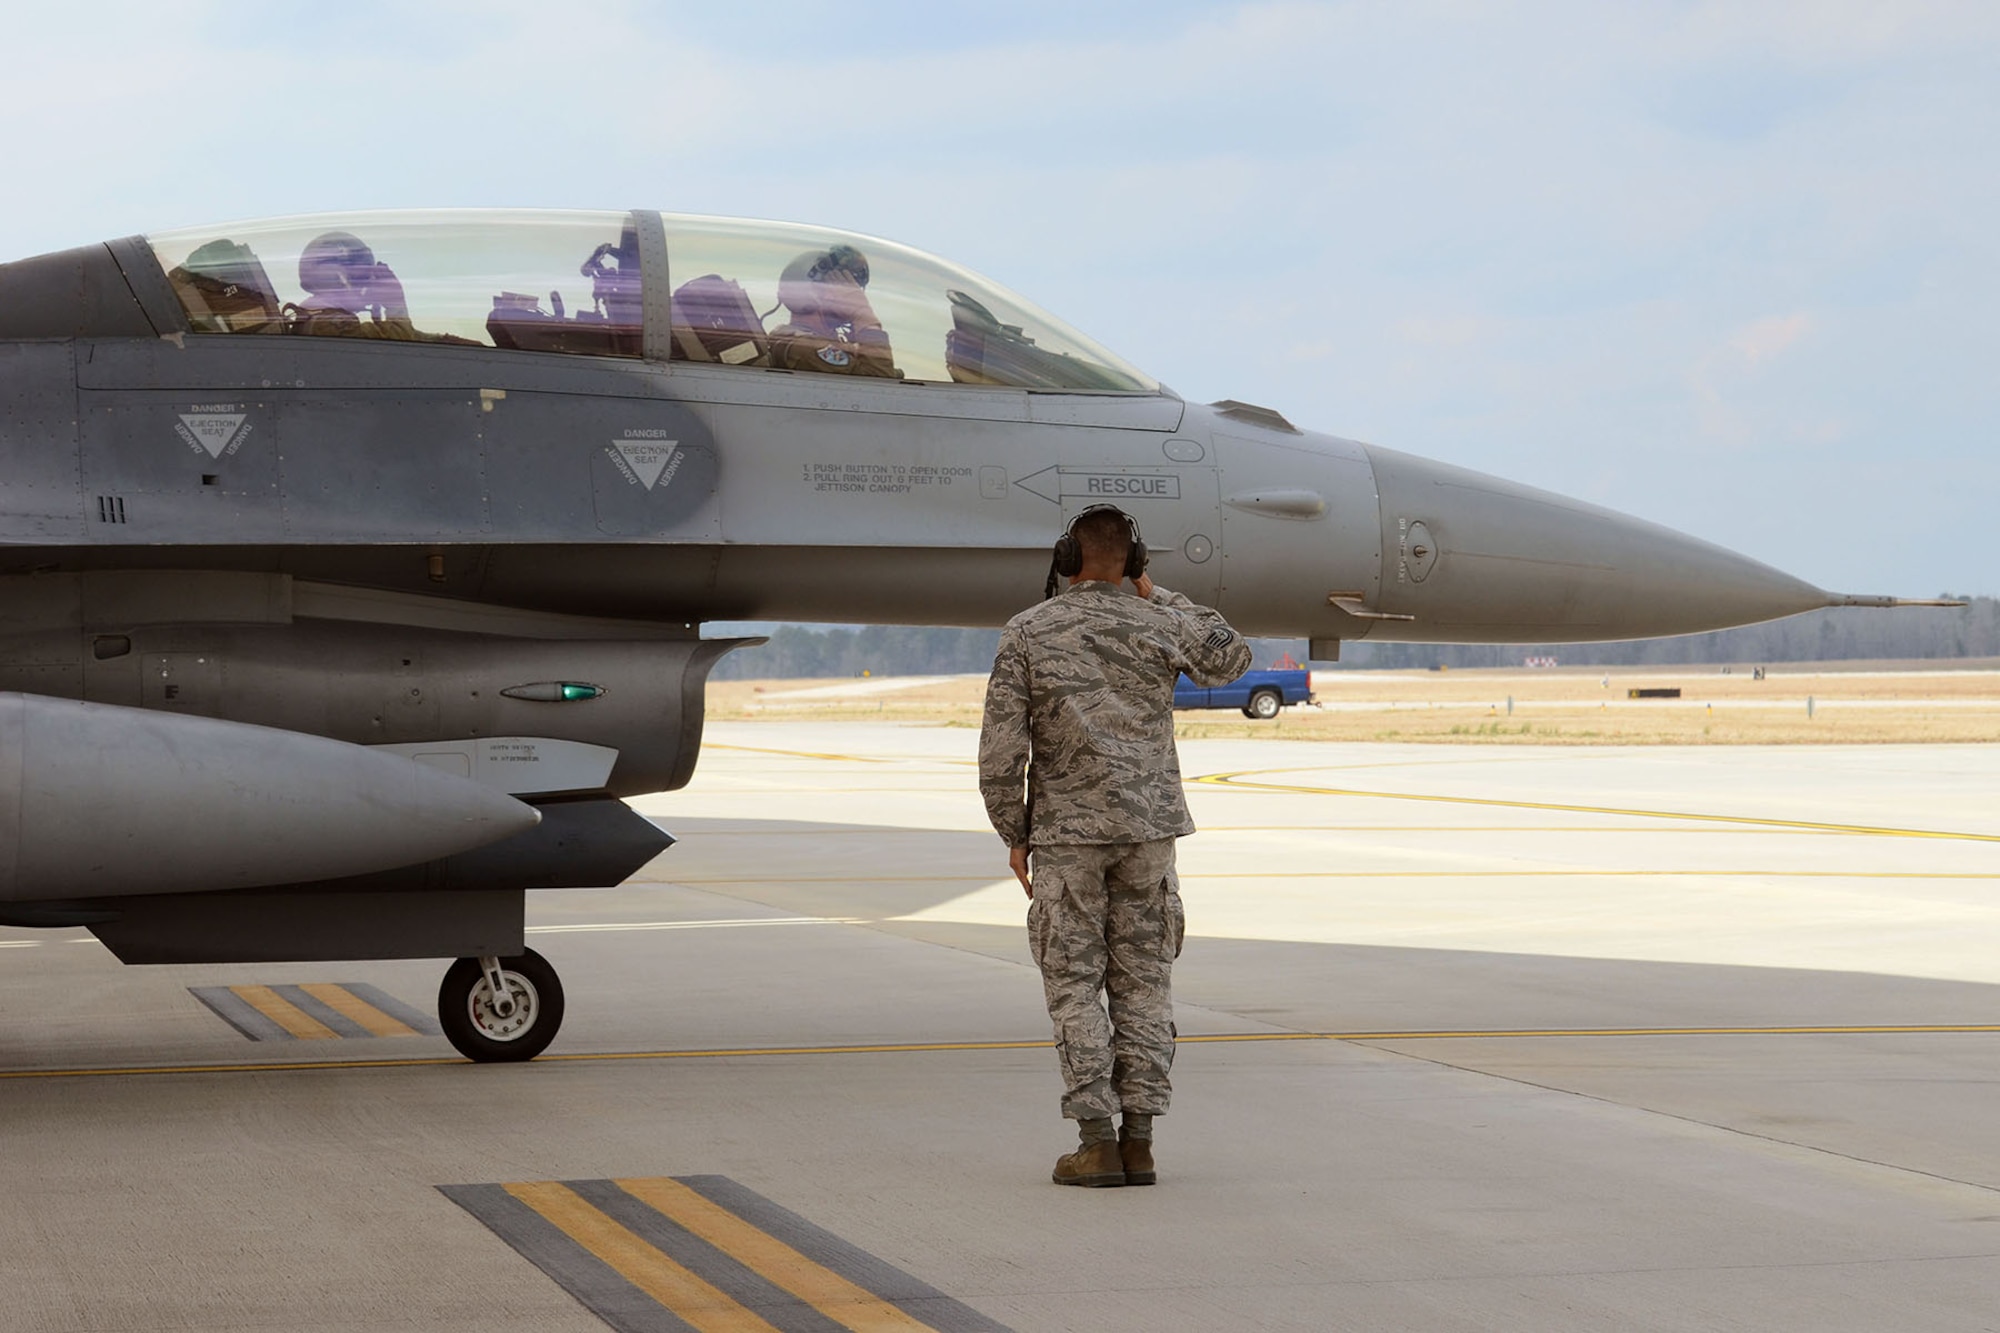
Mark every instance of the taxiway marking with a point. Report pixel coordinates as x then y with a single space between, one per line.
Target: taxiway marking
700 1304
1552 873
343 1001
922 1047
839 830
1241 779
705 1253
315 1011
798 754
284 1013
820 1287
586 927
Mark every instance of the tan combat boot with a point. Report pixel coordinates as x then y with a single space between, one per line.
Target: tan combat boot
1137 1157
1096 1165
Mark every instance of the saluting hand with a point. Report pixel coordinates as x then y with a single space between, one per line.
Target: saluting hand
1144 585
1017 861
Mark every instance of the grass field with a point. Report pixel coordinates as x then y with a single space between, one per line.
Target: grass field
1817 704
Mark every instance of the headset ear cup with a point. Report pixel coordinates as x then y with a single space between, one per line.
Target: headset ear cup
1069 556
1135 559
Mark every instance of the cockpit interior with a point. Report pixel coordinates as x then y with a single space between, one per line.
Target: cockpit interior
743 294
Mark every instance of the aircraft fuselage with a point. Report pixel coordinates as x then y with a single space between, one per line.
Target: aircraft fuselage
399 510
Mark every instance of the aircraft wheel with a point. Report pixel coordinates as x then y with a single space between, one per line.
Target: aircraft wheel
516 1021
1263 705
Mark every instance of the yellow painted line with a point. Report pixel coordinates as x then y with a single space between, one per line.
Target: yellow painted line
828 1292
1241 781
835 830
801 754
284 1013
263 1067
1829 1030
688 1296
851 758
349 1005
1555 874
1455 828
1307 874
586 927
829 879
918 1048
887 1048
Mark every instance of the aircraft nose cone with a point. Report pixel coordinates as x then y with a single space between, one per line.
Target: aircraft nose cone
1477 559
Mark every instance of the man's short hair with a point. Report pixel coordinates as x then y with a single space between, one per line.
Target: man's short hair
1105 536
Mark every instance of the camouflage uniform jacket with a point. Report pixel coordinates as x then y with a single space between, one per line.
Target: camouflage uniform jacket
1081 701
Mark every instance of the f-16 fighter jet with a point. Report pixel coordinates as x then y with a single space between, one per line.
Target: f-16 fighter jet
352 568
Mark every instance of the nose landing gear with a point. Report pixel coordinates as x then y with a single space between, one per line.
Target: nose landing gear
500 1009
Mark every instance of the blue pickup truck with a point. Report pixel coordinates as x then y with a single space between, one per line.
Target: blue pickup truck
1260 694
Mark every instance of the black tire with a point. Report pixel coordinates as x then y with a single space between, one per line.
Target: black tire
465 1014
1263 705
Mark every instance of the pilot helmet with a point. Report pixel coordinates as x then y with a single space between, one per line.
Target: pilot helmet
336 261
816 265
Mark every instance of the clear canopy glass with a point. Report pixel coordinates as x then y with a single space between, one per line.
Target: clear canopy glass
826 300
746 294
533 280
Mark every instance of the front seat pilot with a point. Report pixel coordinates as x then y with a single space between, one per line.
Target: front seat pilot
832 327
349 294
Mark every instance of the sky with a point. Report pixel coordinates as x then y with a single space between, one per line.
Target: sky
1730 267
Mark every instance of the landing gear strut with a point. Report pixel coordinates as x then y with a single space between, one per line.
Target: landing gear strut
496 1009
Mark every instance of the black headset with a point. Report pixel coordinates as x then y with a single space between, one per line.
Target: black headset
1067 561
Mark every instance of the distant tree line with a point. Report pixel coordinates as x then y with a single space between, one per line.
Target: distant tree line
1844 634
797 651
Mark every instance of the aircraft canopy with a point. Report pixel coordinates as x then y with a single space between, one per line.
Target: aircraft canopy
740 294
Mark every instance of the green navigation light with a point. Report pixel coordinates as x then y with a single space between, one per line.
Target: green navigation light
554 692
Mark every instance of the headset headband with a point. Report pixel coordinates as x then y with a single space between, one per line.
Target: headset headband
1067 558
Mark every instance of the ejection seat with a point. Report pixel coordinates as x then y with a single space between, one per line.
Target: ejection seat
224 288
713 320
610 328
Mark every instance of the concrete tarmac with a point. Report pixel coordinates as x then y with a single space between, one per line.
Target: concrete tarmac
1473 1038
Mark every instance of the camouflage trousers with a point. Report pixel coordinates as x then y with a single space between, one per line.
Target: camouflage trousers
1106 921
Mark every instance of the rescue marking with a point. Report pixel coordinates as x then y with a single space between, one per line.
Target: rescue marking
933 1047
1241 781
703 1252
315 1011
1081 483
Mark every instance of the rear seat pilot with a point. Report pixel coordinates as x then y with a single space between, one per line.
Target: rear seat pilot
832 327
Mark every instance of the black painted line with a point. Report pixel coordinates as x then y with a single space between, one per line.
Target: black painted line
234 1010
316 1008
908 1293
406 1014
715 1266
593 1283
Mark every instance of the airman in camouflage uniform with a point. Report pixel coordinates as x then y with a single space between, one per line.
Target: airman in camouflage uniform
1077 764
